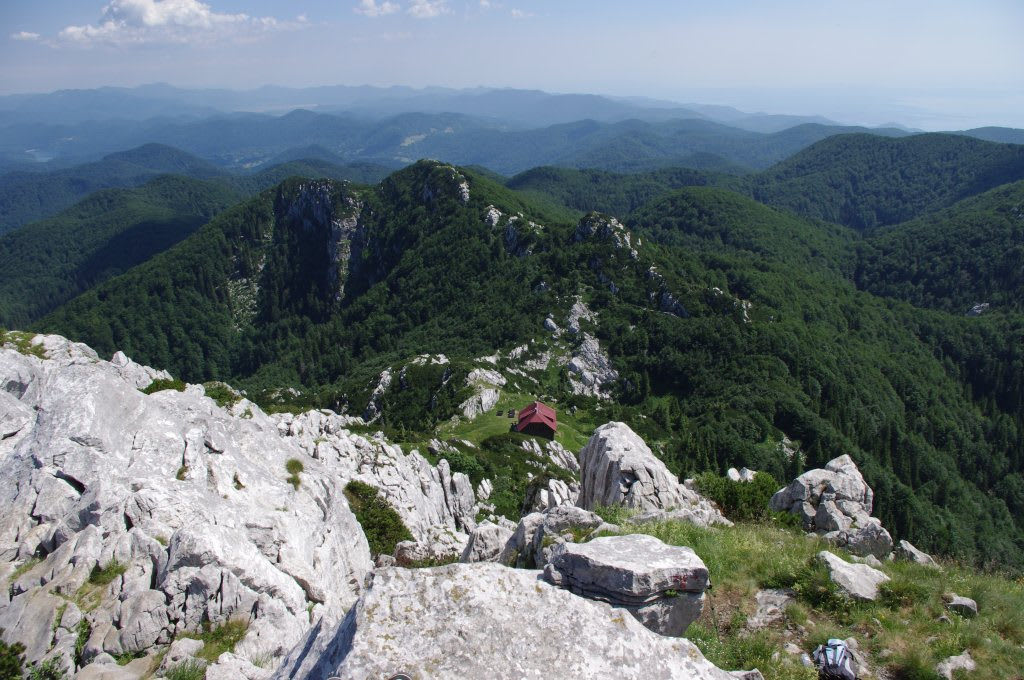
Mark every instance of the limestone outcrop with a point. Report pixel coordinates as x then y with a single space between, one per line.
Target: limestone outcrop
618 468
836 503
662 586
469 621
537 533
856 581
186 503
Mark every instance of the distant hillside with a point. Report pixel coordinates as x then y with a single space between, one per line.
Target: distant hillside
866 181
46 263
29 196
971 252
730 324
997 134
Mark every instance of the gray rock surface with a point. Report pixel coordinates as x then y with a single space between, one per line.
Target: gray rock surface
617 468
906 551
856 581
486 543
662 586
467 621
531 542
962 662
193 500
836 503
964 606
590 370
771 607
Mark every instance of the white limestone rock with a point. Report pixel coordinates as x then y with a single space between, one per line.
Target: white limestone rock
836 502
856 581
905 550
486 543
466 621
949 666
590 370
190 498
617 468
662 586
964 606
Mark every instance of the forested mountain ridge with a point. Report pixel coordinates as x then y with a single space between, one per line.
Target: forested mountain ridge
29 196
730 324
952 259
866 181
46 263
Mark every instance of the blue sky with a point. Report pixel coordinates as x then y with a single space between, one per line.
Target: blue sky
934 64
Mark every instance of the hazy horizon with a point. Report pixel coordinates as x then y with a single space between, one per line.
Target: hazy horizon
928 65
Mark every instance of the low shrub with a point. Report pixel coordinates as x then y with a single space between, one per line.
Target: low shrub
50 669
12 659
221 393
383 526
902 592
294 467
188 670
162 384
102 576
739 501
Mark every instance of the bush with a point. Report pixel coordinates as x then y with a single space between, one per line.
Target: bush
221 393
164 384
383 526
294 467
103 576
47 670
740 500
12 659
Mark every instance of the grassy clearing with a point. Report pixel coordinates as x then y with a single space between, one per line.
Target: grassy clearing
901 632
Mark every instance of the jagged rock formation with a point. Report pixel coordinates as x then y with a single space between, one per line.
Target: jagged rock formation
662 586
438 506
856 581
617 468
485 383
537 533
190 506
836 503
555 493
190 503
467 621
590 369
486 542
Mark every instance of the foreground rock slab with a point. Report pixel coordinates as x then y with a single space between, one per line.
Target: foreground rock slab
488 621
856 581
951 665
661 585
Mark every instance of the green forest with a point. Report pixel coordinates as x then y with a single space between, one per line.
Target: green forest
831 310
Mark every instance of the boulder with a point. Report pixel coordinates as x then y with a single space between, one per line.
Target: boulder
487 621
856 581
906 551
949 666
662 586
486 543
964 606
531 543
836 503
771 607
617 468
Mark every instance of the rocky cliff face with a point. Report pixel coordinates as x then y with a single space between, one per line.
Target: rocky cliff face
127 519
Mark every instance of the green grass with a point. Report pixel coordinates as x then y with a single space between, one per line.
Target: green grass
903 623
187 670
101 576
22 342
218 639
24 568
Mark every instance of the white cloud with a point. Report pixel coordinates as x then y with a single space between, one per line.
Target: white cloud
428 9
520 14
25 36
370 8
175 21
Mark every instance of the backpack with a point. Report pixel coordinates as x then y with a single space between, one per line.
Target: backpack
834 661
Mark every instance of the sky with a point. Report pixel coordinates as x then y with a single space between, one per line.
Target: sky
931 64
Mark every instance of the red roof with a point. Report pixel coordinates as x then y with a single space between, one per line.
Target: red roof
537 413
